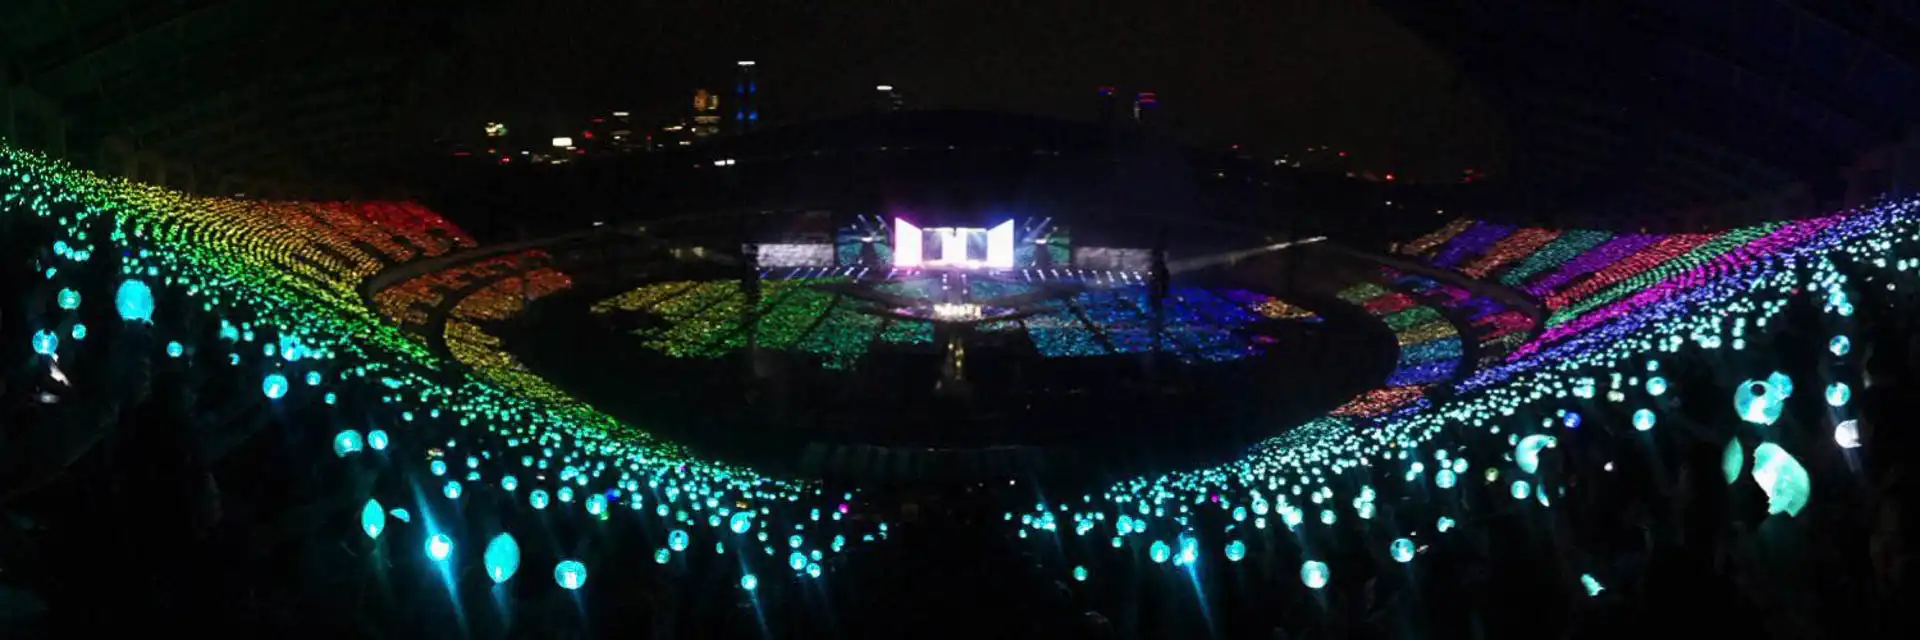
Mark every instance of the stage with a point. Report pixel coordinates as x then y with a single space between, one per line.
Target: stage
935 374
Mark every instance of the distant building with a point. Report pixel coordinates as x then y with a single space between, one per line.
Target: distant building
1145 104
674 135
890 98
746 97
1107 108
491 146
620 134
612 132
706 113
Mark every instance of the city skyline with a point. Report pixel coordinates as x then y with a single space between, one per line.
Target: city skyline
1260 76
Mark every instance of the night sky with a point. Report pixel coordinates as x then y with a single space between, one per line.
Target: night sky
1274 76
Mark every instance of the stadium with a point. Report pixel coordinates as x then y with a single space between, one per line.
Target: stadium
963 361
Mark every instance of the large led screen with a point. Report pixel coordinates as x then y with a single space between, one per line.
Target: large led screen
963 247
796 255
1112 258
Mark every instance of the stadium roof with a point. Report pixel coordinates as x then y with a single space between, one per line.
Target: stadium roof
1636 105
268 87
1654 104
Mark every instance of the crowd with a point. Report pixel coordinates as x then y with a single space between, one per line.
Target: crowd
173 472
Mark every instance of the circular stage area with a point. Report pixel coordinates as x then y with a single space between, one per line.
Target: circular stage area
941 373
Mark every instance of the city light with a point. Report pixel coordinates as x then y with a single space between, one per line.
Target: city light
562 142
